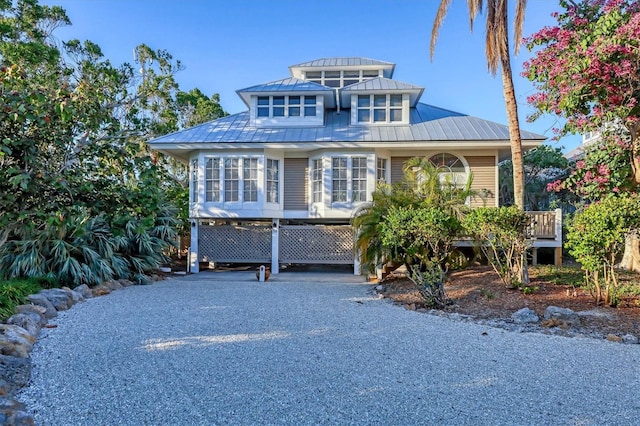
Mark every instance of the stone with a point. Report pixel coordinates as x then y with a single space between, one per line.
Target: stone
525 316
125 282
10 404
112 285
5 389
34 311
563 314
15 341
614 338
58 298
75 296
100 290
84 290
41 300
20 418
379 288
16 371
27 322
630 339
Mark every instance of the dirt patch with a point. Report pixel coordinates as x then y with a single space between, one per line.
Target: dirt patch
478 293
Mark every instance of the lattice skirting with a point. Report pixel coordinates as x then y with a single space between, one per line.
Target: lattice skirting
316 244
235 244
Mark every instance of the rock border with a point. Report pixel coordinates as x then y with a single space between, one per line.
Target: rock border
19 333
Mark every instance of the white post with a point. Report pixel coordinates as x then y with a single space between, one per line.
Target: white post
356 264
261 274
275 246
194 264
559 225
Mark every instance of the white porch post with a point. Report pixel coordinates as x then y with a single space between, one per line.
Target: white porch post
275 246
558 250
194 264
356 264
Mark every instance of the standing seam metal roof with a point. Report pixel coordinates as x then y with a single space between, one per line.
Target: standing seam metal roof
340 62
427 123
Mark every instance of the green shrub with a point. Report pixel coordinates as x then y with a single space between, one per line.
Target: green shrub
500 232
14 293
596 238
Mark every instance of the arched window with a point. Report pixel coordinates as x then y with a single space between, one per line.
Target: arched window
454 170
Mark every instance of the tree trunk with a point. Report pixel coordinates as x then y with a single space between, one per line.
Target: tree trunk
631 258
514 132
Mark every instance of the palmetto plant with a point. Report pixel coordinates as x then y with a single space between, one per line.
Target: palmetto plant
73 247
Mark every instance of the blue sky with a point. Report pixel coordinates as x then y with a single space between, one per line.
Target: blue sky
228 45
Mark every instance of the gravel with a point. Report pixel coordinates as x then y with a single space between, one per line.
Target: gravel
221 349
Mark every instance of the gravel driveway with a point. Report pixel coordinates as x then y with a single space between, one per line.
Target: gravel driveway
312 349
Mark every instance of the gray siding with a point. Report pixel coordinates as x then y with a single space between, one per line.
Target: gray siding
397 164
296 182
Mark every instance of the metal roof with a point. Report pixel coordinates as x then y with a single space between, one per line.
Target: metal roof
286 85
427 124
341 62
290 84
382 84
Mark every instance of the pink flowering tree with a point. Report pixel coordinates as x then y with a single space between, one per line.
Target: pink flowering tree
587 71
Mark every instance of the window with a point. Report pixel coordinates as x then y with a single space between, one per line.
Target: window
250 179
285 106
273 181
453 170
316 181
381 170
310 106
339 180
263 106
379 108
231 179
342 78
358 179
212 180
194 181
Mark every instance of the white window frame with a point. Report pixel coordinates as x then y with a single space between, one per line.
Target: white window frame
382 165
350 178
249 191
272 188
345 77
305 107
373 106
226 175
316 179
212 180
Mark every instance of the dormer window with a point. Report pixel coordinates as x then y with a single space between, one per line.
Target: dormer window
379 108
341 78
286 106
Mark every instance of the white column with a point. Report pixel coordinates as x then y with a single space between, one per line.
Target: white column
194 264
356 264
275 246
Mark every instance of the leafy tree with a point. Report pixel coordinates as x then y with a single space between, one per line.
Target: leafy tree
498 56
542 165
196 108
587 71
73 132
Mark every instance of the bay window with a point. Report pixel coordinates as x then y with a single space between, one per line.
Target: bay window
273 181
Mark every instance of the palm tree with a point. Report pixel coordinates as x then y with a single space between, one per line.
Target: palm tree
497 52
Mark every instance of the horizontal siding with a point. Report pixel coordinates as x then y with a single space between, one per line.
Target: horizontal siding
397 164
296 180
484 178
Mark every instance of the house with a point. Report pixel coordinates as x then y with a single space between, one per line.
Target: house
278 183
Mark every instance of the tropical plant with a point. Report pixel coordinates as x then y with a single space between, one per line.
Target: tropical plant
501 234
422 187
498 56
596 238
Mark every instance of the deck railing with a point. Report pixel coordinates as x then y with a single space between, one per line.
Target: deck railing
547 232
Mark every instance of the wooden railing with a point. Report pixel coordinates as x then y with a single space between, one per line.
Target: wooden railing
546 225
